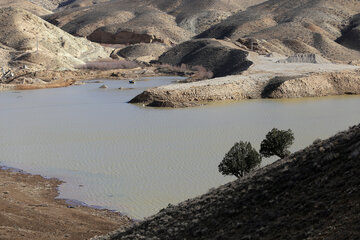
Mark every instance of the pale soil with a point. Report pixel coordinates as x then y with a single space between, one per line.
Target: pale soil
29 210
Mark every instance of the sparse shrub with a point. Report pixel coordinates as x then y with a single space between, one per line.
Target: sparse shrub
241 159
109 64
202 73
199 72
277 143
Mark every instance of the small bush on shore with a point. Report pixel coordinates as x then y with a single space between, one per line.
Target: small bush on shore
240 160
109 65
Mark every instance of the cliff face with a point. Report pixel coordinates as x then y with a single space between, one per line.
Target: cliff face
313 194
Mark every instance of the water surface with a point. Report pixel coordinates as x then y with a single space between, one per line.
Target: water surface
138 160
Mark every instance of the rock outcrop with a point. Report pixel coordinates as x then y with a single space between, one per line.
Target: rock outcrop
220 57
312 194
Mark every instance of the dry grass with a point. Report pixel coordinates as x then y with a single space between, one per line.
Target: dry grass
109 65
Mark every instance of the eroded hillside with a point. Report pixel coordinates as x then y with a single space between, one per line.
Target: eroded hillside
290 27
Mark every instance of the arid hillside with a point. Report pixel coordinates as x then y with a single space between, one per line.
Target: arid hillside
220 57
28 39
324 27
138 21
32 6
120 22
313 194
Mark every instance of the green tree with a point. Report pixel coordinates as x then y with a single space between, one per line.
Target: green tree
241 159
277 142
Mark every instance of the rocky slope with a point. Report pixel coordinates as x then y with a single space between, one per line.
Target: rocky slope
220 57
313 194
122 21
27 39
302 26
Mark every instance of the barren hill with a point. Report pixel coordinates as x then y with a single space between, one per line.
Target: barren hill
313 194
27 39
159 20
220 57
122 21
289 27
32 7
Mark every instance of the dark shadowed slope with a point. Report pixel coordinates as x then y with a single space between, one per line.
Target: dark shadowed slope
220 57
296 26
313 194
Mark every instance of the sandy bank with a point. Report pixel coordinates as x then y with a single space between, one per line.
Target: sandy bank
28 210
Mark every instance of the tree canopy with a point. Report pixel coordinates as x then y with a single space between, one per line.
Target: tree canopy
240 159
277 142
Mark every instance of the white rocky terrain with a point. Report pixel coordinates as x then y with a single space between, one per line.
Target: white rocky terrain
28 39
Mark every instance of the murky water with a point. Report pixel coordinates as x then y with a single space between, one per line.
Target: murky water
137 160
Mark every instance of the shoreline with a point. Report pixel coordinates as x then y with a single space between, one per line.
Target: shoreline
251 86
30 209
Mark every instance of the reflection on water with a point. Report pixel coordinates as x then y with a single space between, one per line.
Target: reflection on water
137 160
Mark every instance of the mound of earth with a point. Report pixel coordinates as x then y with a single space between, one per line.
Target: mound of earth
305 58
143 52
351 35
220 57
33 41
136 21
290 27
313 194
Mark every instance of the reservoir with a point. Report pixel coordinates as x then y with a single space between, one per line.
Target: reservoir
137 160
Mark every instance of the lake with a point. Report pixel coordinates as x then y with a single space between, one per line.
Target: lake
137 160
